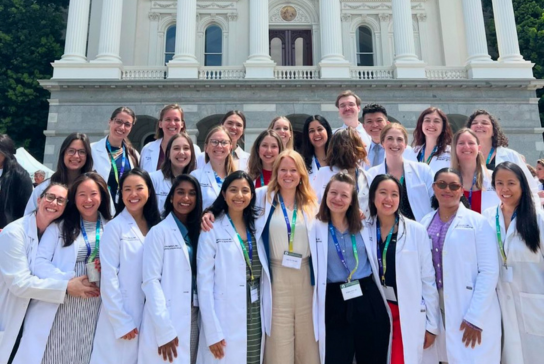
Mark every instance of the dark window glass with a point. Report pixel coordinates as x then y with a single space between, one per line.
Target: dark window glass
365 47
170 47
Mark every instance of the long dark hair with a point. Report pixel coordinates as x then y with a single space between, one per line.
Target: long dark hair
374 187
352 214
220 207
434 200
526 220
151 211
61 174
167 165
71 227
307 149
445 137
255 165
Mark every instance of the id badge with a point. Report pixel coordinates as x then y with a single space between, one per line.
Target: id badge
390 294
351 290
291 260
195 299
254 293
507 274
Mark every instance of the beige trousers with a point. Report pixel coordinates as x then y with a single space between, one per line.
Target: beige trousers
292 339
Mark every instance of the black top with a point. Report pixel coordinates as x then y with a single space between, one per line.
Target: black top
112 182
405 207
491 165
390 273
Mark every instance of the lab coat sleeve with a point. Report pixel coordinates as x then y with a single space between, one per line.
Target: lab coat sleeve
207 249
428 179
112 298
488 274
15 272
154 295
428 281
43 266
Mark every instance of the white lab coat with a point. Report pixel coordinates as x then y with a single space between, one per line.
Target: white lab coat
167 281
162 187
437 161
419 185
222 292
18 244
32 203
522 300
416 286
325 174
55 261
470 273
208 185
121 254
489 196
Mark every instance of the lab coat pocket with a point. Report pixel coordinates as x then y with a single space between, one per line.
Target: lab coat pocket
532 308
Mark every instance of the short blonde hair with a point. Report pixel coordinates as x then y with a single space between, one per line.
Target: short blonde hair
346 94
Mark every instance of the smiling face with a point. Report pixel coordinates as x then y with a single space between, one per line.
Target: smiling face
219 152
432 125
268 151
238 195
180 153
281 126
373 123
508 187
387 198
446 197
235 126
120 127
88 200
135 194
394 143
339 197
317 134
288 175
482 126
171 123
75 155
348 108
51 210
467 147
184 199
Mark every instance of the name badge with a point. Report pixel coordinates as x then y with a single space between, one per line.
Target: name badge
390 294
195 299
351 290
507 274
291 260
254 291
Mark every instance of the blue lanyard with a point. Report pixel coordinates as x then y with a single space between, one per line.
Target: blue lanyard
470 192
422 154
218 180
490 155
317 163
382 257
339 251
262 180
401 177
291 226
86 239
116 173
248 257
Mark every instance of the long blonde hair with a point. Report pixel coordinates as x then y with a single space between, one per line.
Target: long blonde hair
291 142
480 165
305 196
229 161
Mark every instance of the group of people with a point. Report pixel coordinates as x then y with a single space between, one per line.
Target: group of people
357 246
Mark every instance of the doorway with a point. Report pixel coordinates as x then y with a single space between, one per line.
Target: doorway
291 47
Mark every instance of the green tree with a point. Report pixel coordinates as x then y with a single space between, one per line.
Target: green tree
30 38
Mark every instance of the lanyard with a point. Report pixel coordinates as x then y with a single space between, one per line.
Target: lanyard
499 236
317 163
247 256
116 173
382 261
86 239
290 227
218 180
490 155
401 177
470 192
341 256
262 180
422 154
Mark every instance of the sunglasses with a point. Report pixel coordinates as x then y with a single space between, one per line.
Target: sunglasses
443 185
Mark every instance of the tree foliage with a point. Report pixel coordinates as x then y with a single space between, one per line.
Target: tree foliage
30 38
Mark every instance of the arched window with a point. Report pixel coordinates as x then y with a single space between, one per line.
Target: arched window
170 47
365 47
213 49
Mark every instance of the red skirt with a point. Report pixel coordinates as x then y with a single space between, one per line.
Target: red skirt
397 350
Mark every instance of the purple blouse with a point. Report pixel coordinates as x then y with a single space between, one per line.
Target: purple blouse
437 232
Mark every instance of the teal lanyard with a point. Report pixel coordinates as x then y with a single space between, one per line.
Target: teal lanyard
91 257
422 155
290 227
490 155
401 177
382 256
499 236
247 256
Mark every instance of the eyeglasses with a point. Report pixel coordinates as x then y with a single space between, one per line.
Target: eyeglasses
216 143
120 123
443 185
50 197
72 151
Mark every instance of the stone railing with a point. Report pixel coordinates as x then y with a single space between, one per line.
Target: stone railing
144 73
446 73
371 73
296 73
222 73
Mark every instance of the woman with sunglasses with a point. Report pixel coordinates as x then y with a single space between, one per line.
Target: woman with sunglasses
316 135
114 155
283 127
520 242
169 279
74 159
432 139
180 159
63 334
416 179
466 265
19 243
264 152
219 164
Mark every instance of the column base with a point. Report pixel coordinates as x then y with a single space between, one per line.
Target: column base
500 70
335 70
182 70
260 70
409 70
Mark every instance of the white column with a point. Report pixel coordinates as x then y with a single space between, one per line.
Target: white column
507 34
154 54
259 64
333 63
475 31
75 48
387 60
407 65
110 32
184 63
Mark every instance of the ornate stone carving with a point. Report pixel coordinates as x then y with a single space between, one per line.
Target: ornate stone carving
422 17
300 16
154 16
385 17
215 5
346 17
232 16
